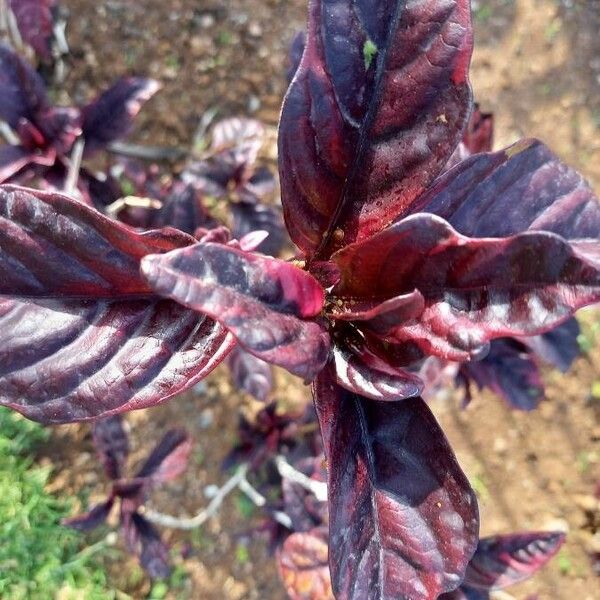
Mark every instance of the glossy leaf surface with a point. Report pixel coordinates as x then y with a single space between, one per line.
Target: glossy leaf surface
504 560
361 372
403 518
261 300
82 333
474 289
524 186
374 112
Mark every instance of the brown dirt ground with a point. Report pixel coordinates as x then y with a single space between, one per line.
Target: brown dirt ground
537 67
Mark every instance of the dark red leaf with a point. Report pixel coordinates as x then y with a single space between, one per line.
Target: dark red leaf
22 90
362 372
261 300
82 334
403 517
302 563
508 371
250 374
95 517
380 317
112 445
111 115
35 23
504 560
153 552
559 347
522 187
169 459
474 289
373 114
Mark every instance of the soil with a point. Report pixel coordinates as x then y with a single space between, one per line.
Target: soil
537 68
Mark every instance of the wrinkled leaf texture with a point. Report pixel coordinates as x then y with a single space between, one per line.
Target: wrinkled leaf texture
263 301
302 564
83 334
359 142
403 517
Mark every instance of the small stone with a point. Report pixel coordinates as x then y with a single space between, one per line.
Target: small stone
254 29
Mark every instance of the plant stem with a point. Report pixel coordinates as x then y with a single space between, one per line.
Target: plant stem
318 488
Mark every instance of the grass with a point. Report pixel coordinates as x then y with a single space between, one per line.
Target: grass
40 559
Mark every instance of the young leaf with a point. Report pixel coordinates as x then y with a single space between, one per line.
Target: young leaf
261 300
95 517
35 23
249 217
111 115
22 90
475 289
403 518
112 445
361 372
169 459
153 552
504 560
250 374
302 563
508 371
357 145
82 333
559 347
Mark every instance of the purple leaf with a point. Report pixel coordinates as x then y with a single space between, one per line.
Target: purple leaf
112 445
249 217
362 372
475 289
504 560
403 518
509 372
250 374
295 54
183 209
169 459
111 115
559 347
83 335
95 517
261 300
154 554
302 563
479 135
373 114
524 186
35 23
22 91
